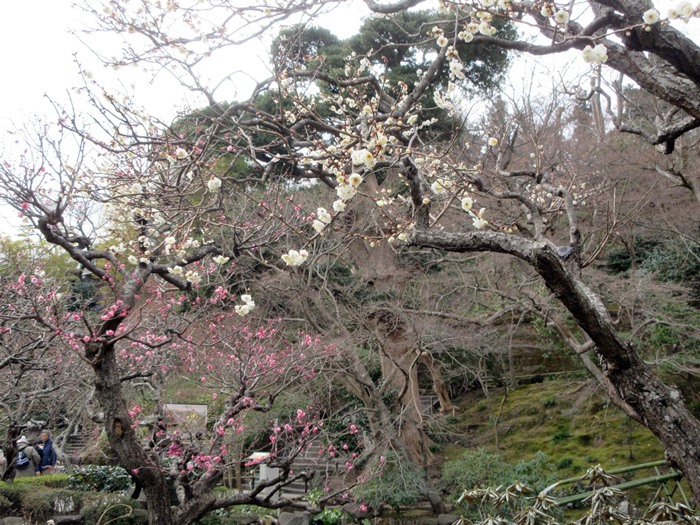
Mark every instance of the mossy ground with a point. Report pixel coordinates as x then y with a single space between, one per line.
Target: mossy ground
572 424
575 427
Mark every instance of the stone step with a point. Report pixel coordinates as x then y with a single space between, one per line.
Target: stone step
76 444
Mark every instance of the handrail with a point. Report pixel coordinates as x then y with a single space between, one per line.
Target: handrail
675 475
621 470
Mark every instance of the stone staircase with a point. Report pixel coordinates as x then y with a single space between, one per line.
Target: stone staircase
75 445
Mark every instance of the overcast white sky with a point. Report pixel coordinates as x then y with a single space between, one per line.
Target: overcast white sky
38 48
37 55
37 58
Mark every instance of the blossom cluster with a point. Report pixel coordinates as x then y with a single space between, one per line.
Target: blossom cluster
595 55
684 11
245 308
560 16
295 258
323 219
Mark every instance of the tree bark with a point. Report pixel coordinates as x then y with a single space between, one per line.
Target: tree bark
439 386
399 350
122 437
660 406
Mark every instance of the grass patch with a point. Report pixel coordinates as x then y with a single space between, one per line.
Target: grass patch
552 417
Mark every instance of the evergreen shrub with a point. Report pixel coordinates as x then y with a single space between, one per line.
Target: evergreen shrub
99 478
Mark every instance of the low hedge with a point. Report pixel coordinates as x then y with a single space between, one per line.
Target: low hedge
41 498
57 481
37 499
40 505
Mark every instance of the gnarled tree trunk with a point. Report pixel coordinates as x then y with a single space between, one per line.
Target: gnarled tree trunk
122 437
660 406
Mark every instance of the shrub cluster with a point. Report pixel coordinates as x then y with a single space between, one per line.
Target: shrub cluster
400 483
99 478
92 491
38 499
482 469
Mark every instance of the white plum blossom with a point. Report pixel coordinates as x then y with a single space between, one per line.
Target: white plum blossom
346 191
323 219
443 101
177 270
220 259
181 153
193 277
363 157
595 55
381 140
440 186
133 259
339 206
561 17
467 36
651 16
402 236
486 29
685 9
493 142
214 184
442 41
323 215
318 226
355 179
478 220
295 258
457 68
546 10
467 203
244 309
117 248
169 243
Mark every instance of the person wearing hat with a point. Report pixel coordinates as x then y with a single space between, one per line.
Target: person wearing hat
28 460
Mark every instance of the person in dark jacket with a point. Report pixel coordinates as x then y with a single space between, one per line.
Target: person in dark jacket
48 453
